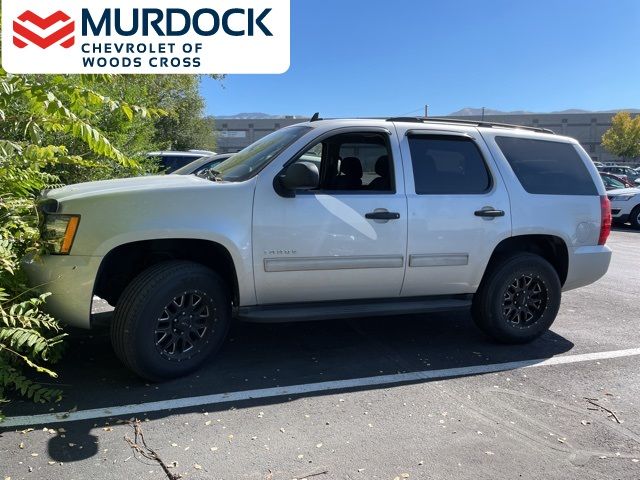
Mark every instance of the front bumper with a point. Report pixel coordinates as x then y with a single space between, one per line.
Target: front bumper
70 279
620 211
587 265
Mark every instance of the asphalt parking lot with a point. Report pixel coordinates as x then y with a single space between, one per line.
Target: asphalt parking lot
391 398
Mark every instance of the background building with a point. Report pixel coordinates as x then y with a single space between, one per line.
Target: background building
587 128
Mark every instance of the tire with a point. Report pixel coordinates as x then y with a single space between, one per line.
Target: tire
634 218
514 289
164 310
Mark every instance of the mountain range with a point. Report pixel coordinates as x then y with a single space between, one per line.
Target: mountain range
464 112
488 111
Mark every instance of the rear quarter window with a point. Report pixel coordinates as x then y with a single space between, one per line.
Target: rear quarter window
547 168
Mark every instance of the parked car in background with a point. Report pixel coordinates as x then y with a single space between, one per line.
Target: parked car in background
405 215
198 166
598 164
625 206
173 160
613 182
621 170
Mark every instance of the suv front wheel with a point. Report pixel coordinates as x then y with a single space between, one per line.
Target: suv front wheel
518 299
170 319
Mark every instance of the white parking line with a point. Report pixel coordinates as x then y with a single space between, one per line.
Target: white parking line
127 410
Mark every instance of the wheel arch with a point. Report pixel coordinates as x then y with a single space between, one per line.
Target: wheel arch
124 262
550 247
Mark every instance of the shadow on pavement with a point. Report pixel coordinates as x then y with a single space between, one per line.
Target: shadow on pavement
624 227
261 356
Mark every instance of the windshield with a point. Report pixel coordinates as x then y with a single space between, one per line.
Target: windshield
611 182
248 162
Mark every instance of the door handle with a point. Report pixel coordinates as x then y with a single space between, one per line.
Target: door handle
489 212
382 216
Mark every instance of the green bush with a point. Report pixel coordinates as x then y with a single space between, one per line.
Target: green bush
42 119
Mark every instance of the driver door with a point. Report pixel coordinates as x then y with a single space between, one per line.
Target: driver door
333 242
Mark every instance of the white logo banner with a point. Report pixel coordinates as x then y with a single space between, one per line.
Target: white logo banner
146 36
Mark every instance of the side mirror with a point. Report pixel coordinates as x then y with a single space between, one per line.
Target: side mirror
300 176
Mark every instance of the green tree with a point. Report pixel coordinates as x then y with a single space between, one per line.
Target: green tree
623 138
46 123
183 127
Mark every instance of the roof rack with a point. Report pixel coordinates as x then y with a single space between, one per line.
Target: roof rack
477 123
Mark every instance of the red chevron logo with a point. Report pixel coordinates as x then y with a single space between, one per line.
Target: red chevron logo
43 23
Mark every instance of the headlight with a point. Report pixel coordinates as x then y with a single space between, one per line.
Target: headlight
58 232
622 198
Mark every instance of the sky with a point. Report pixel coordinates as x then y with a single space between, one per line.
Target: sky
390 58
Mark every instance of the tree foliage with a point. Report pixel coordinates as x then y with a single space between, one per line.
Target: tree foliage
623 138
48 125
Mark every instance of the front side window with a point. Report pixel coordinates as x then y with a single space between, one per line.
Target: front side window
354 162
546 167
248 162
447 165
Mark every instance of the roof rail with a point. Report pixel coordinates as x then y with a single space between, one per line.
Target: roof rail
477 123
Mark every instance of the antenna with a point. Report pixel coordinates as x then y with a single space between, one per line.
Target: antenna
316 117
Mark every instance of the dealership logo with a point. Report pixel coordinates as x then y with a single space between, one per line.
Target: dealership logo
145 36
31 28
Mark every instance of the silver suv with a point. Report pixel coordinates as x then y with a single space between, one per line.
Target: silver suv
331 219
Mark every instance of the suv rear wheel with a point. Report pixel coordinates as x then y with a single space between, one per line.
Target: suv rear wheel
518 299
169 319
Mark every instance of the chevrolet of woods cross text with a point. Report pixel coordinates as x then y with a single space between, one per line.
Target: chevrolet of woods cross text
326 220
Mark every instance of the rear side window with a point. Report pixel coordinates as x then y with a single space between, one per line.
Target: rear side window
445 165
547 168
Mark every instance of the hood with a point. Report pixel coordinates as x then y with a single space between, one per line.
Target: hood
623 191
105 187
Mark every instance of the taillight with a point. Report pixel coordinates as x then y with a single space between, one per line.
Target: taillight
605 219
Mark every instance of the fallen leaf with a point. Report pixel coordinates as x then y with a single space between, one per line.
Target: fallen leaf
489 453
34 454
207 423
197 467
108 429
319 445
282 430
405 475
300 457
360 470
51 462
213 449
72 444
21 445
174 444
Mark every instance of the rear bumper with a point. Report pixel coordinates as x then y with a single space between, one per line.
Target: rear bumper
70 280
587 265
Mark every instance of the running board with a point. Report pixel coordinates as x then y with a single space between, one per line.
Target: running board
304 312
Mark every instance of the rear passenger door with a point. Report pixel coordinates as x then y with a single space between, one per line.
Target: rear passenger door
458 210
